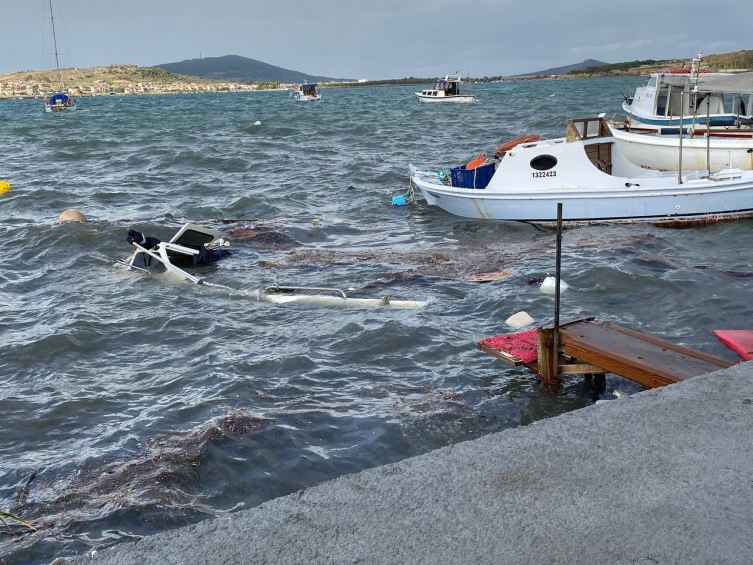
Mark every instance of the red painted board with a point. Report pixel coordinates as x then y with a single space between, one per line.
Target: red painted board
739 341
521 345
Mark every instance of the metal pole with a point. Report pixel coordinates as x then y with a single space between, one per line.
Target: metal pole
55 41
557 276
708 133
682 118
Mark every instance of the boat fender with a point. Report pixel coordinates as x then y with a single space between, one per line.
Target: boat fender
505 147
478 161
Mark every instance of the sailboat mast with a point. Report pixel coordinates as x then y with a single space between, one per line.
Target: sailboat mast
55 41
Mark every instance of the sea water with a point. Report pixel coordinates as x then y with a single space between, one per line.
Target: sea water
144 403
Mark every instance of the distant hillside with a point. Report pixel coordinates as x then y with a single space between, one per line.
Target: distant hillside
612 67
237 68
724 61
113 74
566 69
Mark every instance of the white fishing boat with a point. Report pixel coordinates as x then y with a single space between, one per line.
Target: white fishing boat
665 101
58 101
446 89
306 92
587 172
715 148
659 149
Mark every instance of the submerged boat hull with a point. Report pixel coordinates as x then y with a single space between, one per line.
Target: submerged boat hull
662 152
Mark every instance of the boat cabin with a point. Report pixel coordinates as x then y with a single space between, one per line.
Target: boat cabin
662 102
448 86
309 89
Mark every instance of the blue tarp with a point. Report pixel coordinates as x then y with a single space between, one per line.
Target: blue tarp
59 96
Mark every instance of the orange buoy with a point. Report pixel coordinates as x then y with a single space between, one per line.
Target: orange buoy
478 161
505 147
72 215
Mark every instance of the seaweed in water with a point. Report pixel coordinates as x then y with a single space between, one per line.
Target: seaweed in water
161 483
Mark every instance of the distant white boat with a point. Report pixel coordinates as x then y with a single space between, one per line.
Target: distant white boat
58 101
587 172
447 89
306 93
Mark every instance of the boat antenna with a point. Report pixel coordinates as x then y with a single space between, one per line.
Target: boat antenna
55 41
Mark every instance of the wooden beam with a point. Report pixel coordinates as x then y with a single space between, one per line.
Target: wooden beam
721 363
507 358
643 359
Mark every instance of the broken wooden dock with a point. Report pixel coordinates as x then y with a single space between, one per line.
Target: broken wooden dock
592 348
589 347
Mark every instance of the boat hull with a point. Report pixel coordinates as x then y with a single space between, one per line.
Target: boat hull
686 203
462 98
655 121
57 108
662 152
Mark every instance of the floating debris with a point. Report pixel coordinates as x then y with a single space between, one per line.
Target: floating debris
519 320
549 285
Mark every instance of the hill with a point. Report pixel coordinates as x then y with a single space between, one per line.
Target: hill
566 69
737 60
113 74
237 68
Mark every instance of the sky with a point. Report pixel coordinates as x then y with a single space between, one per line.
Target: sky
371 39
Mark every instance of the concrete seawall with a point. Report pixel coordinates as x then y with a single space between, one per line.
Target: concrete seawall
664 476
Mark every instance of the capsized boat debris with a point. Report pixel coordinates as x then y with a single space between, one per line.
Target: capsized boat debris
196 245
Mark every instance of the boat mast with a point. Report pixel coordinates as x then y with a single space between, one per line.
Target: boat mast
55 41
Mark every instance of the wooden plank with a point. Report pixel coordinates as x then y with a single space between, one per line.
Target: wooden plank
632 356
580 369
718 361
514 361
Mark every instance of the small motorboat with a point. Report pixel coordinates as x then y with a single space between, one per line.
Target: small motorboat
446 89
702 147
306 92
587 172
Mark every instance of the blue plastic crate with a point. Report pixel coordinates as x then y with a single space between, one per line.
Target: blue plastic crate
473 178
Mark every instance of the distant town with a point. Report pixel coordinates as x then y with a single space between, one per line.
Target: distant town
124 80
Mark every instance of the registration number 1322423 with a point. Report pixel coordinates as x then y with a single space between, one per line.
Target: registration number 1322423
542 174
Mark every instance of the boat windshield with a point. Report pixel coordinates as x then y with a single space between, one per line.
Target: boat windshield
450 88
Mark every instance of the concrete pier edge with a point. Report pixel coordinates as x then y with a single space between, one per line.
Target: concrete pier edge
664 476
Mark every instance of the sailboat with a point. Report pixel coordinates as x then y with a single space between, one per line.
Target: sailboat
58 101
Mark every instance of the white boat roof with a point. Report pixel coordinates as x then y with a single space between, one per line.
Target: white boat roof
195 235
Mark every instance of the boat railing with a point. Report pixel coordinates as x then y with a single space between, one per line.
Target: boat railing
580 129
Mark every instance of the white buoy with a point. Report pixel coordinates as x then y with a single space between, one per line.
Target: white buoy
257 123
519 320
549 284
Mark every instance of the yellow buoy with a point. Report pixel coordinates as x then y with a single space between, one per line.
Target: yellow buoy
4 186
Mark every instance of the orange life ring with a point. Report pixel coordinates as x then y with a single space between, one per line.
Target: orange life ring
505 147
478 161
